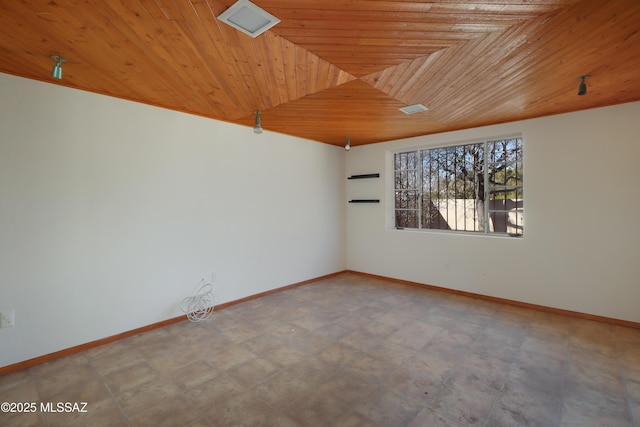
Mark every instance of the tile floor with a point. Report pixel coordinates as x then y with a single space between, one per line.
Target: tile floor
349 351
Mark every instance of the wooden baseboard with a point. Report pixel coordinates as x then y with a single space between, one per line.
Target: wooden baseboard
78 348
273 291
86 346
603 319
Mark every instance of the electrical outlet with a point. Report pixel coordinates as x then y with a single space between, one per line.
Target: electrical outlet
7 319
214 277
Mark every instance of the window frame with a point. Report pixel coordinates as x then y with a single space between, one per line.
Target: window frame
488 209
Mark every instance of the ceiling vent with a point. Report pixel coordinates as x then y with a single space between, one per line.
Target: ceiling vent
248 18
412 109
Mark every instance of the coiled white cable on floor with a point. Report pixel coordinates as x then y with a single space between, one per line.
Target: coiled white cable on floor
200 306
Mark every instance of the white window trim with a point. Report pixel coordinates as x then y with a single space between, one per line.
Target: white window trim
390 186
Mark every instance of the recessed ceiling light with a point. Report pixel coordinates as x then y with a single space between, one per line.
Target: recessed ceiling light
248 18
412 109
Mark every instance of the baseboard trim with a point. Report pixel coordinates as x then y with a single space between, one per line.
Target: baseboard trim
273 291
603 319
78 348
81 347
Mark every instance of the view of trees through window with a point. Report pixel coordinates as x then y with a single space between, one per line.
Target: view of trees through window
472 187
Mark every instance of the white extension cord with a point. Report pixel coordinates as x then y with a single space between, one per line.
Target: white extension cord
200 306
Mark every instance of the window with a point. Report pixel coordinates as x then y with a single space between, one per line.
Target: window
474 187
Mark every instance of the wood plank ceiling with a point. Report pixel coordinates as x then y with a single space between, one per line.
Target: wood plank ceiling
333 68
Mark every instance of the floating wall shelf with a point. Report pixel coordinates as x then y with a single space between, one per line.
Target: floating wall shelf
364 176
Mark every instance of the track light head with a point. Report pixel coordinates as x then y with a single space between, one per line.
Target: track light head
257 128
347 144
582 89
56 72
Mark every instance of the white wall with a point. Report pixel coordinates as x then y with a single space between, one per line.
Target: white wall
581 248
111 212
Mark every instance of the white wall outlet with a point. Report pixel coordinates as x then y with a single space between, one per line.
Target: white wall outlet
7 319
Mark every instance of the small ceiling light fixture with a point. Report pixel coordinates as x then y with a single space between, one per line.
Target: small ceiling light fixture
257 128
347 144
412 109
56 73
582 89
248 18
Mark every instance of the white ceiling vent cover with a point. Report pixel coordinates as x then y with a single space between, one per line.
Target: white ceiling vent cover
248 18
412 109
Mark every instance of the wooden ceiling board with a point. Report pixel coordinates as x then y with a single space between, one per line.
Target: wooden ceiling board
334 68
375 112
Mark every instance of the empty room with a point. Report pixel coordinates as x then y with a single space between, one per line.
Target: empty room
320 213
